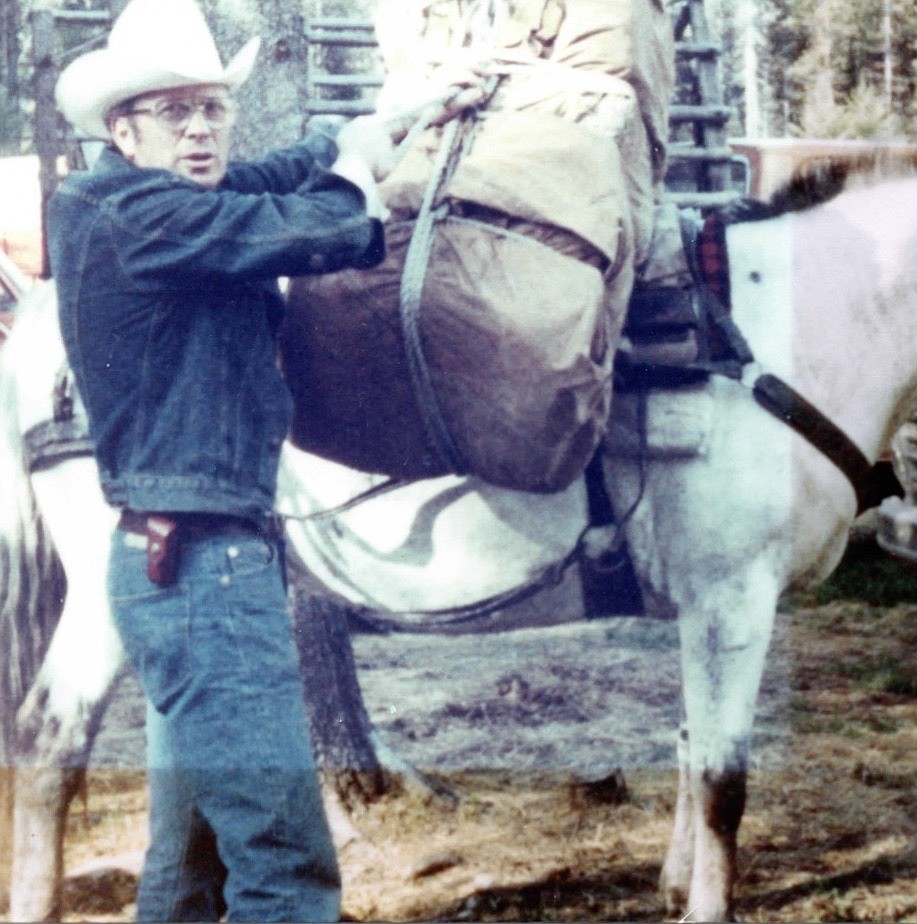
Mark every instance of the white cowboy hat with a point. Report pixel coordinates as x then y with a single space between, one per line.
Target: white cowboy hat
153 45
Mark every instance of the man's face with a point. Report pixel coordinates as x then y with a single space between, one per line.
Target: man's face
186 130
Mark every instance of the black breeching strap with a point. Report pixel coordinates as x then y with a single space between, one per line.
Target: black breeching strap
787 405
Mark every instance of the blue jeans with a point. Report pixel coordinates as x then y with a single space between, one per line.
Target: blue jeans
237 820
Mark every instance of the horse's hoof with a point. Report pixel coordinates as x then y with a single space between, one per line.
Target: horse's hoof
676 901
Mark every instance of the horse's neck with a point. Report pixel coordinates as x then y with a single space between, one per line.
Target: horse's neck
828 301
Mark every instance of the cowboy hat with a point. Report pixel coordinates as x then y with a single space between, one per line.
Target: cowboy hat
153 45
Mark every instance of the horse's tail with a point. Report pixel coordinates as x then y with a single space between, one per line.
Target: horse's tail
32 583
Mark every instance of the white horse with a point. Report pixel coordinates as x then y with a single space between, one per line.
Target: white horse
415 549
62 690
734 507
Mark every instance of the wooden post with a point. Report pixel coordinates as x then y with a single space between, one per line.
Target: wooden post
712 134
342 734
11 16
888 58
47 142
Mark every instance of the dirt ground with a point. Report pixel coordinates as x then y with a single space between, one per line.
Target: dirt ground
558 746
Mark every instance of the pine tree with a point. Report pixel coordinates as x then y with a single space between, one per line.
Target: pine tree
833 69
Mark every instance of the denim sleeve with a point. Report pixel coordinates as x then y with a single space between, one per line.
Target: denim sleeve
168 228
283 171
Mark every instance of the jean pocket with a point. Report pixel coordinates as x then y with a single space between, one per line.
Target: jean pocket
155 628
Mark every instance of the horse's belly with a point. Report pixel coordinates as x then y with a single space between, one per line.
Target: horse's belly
432 545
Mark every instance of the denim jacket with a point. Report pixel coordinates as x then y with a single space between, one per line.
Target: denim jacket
170 313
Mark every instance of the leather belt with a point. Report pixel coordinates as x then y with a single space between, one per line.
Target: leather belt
193 525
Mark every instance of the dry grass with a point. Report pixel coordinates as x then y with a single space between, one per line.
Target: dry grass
828 836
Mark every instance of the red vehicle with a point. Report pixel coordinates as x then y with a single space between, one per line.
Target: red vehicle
772 161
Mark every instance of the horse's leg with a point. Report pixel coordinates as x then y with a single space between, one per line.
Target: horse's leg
724 638
675 880
57 725
60 716
42 798
6 832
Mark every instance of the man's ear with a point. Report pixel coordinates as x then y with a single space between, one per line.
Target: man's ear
124 137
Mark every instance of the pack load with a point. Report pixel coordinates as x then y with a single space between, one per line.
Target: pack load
484 342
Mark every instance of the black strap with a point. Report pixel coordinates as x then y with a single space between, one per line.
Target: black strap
711 310
787 405
601 512
54 441
64 393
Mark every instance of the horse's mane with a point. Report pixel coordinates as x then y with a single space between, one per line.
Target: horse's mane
824 178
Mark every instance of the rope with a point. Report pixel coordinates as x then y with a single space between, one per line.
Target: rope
414 121
377 490
551 576
456 138
412 280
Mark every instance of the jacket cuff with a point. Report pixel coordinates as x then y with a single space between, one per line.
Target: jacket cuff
375 252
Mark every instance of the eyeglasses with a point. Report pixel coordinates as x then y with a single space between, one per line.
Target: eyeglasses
176 114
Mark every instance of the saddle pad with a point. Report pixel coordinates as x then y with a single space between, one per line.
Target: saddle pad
678 422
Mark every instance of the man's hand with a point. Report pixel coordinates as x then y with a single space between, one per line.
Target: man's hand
369 139
452 90
367 144
461 88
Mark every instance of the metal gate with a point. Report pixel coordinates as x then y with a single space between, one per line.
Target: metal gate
701 164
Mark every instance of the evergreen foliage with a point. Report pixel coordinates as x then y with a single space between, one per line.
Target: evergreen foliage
826 68
833 70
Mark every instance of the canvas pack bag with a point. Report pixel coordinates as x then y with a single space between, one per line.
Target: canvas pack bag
484 342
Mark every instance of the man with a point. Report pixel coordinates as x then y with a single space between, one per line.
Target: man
165 257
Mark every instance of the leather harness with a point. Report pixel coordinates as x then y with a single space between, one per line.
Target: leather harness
66 436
